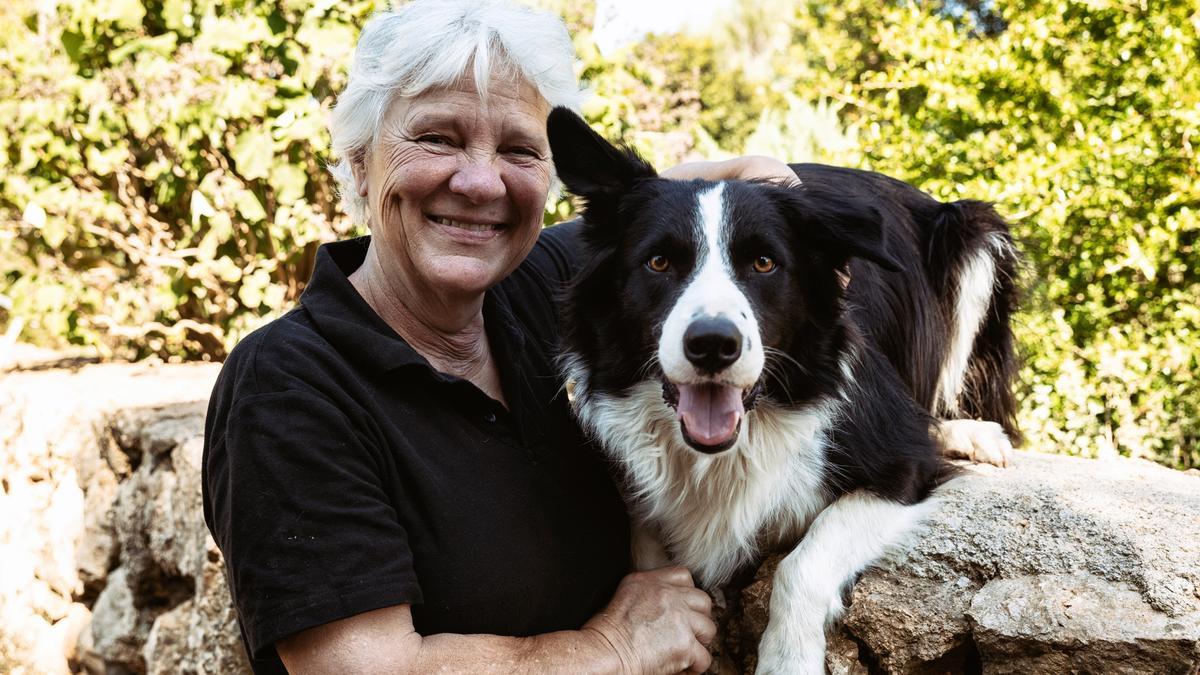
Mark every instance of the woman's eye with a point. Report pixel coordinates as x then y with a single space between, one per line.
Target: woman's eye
658 263
525 152
763 264
433 139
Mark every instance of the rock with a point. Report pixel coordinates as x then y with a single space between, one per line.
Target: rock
96 551
1079 623
911 622
119 628
85 658
1055 565
68 630
200 635
1058 564
62 472
841 656
167 644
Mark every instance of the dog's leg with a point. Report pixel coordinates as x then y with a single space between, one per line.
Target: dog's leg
648 550
844 539
975 440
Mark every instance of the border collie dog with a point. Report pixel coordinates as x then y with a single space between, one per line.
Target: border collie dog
782 368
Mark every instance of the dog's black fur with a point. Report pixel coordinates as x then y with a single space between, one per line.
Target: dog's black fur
856 315
906 316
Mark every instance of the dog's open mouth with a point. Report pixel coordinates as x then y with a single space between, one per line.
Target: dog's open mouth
710 414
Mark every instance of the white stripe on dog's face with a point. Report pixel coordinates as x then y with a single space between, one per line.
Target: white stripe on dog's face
712 291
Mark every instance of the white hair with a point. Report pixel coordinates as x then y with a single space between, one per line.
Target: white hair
431 43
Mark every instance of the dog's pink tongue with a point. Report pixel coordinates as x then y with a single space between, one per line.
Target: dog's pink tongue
710 413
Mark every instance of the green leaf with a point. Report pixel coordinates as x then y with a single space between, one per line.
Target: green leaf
200 207
177 15
54 232
249 206
252 153
73 43
289 182
124 13
163 45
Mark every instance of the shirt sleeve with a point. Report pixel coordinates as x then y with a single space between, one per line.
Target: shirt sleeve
296 502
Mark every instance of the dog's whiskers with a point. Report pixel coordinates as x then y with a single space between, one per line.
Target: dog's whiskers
644 370
784 356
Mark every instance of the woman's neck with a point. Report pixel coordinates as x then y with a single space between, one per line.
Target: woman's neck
447 331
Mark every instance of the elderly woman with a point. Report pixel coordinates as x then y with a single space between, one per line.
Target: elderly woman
391 470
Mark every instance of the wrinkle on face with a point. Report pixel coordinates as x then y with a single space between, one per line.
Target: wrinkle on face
448 155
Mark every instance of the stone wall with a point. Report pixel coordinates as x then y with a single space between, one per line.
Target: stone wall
105 563
1056 565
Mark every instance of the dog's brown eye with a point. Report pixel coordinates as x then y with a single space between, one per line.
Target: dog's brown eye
763 264
658 263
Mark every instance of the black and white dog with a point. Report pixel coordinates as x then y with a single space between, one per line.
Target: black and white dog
781 368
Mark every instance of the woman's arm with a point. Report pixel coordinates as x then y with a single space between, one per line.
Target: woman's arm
746 167
657 622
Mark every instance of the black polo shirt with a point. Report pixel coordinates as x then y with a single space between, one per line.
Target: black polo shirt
343 474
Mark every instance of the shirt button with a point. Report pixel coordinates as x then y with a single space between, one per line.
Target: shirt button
490 417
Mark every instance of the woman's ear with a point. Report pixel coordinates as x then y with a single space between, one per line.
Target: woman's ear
358 167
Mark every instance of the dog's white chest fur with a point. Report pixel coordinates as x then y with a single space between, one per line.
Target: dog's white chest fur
713 512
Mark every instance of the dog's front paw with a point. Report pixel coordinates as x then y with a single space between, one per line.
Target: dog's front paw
781 653
975 440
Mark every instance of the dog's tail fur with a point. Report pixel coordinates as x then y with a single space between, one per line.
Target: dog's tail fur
973 266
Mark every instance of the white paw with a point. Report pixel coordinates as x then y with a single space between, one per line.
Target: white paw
976 440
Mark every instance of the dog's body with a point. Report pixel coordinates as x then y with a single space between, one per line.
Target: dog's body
765 365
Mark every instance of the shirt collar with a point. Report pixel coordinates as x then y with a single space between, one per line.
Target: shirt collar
356 331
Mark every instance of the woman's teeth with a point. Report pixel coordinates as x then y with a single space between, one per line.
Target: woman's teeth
473 227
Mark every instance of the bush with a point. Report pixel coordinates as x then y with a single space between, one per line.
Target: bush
163 186
1078 119
162 182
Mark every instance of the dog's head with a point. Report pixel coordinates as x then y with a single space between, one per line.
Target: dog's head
723 291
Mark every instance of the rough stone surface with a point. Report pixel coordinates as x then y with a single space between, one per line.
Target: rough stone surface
101 530
1079 623
1058 564
118 627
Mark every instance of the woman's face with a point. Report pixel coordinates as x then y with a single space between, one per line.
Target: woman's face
457 186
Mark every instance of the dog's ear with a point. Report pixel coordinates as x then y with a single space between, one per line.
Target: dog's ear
841 225
590 166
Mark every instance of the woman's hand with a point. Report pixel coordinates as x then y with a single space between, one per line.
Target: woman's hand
657 622
746 167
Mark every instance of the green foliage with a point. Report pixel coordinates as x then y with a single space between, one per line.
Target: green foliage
162 182
1078 120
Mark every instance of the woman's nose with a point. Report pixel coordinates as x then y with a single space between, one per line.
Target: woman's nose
478 182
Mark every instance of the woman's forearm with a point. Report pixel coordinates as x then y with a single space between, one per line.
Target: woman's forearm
746 167
582 651
384 641
657 622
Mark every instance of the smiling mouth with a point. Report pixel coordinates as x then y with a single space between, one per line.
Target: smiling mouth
469 227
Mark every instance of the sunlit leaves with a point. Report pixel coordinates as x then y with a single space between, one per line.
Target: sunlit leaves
176 149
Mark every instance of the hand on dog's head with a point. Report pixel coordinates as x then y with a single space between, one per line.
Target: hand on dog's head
602 174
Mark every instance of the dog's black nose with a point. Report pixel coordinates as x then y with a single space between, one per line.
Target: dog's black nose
711 343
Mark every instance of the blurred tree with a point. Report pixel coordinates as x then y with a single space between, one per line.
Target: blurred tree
1078 118
162 182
